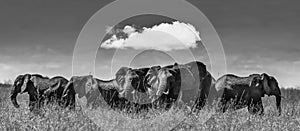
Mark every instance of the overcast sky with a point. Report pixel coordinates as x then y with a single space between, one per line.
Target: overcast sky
258 36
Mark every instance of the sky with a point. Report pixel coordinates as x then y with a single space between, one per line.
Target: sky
257 36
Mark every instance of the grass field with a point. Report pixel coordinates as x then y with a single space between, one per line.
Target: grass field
54 118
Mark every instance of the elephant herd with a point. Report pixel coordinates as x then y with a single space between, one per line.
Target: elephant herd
153 87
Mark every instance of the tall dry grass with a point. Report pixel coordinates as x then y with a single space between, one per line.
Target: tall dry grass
52 117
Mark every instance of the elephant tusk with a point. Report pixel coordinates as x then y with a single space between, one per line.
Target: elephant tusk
133 92
121 94
166 92
66 94
149 89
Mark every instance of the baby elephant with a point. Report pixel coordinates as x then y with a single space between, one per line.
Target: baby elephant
241 92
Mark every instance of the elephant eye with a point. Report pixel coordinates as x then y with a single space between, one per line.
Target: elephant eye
88 84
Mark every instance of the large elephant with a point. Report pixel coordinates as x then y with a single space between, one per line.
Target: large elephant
241 92
189 83
35 85
83 86
131 85
110 92
96 90
164 85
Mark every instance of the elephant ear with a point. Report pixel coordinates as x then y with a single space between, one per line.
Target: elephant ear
151 77
225 81
270 85
274 86
254 82
120 75
95 83
77 83
156 68
25 82
55 84
266 84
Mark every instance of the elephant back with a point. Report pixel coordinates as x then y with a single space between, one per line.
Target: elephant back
230 80
197 68
40 82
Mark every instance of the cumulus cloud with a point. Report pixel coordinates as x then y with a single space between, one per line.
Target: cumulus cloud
164 37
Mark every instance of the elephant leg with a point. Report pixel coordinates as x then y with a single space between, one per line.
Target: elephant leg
256 107
261 108
41 100
223 104
72 102
40 103
135 97
33 101
32 105
201 100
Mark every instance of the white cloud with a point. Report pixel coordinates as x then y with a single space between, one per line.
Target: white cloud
164 37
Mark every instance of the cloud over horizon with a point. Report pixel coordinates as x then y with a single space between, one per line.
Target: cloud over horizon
163 37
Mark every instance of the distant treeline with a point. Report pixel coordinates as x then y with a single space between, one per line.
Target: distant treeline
291 94
5 85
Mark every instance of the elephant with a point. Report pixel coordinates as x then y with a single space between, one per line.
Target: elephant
55 93
110 89
95 89
81 85
35 85
241 92
163 84
189 83
131 85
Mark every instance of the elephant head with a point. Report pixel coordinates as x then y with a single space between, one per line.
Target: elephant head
165 77
18 84
82 85
159 80
256 86
127 79
151 80
21 85
31 84
271 87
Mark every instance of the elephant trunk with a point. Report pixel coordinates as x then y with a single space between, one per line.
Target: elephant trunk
13 98
162 86
278 103
67 89
125 91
